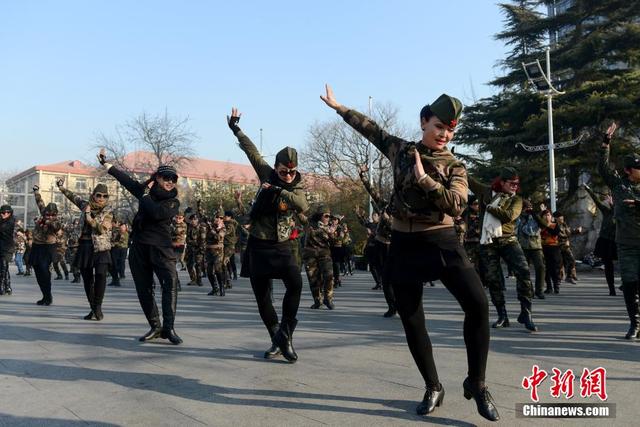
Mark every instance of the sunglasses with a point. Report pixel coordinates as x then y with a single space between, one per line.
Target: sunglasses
101 196
290 172
170 178
326 216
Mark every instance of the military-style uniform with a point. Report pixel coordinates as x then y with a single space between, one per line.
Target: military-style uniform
506 208
214 241
627 218
59 257
230 241
424 246
528 232
269 248
473 228
568 260
73 242
337 253
43 247
196 242
370 253
317 260
179 240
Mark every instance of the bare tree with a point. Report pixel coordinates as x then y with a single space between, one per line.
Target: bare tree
337 151
169 139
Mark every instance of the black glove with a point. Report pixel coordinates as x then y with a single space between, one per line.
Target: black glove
60 182
233 123
36 188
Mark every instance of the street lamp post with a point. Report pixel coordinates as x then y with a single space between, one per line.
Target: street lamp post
370 163
542 83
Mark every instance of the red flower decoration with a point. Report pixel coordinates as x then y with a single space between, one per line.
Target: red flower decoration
453 123
290 165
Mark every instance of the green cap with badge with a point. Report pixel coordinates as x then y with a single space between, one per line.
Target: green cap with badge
288 157
446 108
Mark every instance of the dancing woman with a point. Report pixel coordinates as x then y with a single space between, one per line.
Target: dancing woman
281 195
151 250
44 245
430 189
93 257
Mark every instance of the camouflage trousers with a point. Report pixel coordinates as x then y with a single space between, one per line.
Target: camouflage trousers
510 251
320 274
473 253
195 259
216 270
568 263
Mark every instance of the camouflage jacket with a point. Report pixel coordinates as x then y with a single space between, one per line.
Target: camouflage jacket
98 222
507 211
565 234
45 230
528 228
291 199
319 239
627 217
473 227
179 234
417 206
230 234
196 237
123 240
214 239
21 242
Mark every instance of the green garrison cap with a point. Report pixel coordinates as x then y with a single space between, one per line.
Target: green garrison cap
287 156
447 109
508 173
632 161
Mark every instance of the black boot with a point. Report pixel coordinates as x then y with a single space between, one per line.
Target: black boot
329 303
503 320
483 399
316 304
284 339
525 315
273 351
91 314
391 312
170 334
97 312
154 332
630 292
433 398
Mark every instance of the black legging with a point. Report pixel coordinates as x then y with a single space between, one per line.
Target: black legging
609 273
553 264
464 284
261 286
41 258
94 283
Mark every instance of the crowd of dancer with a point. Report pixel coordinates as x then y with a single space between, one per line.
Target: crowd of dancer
429 227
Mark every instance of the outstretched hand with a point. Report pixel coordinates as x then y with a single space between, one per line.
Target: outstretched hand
102 156
60 182
609 133
329 98
35 188
234 120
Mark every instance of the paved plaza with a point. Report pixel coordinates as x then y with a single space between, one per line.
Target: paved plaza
354 368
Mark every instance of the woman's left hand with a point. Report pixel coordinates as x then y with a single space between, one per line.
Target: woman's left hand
87 209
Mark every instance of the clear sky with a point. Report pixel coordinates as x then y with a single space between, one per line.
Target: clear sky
71 69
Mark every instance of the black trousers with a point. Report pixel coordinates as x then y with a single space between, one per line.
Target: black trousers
553 264
382 254
41 258
95 283
272 260
144 261
425 256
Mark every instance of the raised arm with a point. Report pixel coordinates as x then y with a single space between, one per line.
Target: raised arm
39 201
378 202
387 144
75 199
476 186
261 167
604 208
133 186
604 168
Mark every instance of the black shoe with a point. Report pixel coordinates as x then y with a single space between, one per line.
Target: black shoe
548 291
58 277
152 334
525 316
431 400
612 293
47 301
284 340
199 283
40 302
191 283
633 332
484 401
329 304
316 305
8 291
390 313
213 292
272 352
170 334
376 287
503 320
556 290
97 312
20 273
540 295
89 316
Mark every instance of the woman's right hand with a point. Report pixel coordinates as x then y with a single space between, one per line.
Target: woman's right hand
329 98
234 119
609 133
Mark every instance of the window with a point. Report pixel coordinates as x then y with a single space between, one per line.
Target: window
81 184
